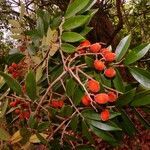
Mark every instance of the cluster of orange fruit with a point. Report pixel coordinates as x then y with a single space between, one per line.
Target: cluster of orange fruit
94 86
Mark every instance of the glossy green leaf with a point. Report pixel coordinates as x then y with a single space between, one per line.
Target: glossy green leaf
141 99
74 123
122 47
40 26
86 133
4 135
43 126
75 7
66 111
31 85
126 98
136 54
72 37
118 82
75 22
126 123
103 134
141 75
89 61
4 108
103 126
78 93
105 80
16 58
91 114
91 13
32 122
12 83
89 6
141 119
68 48
86 30
70 86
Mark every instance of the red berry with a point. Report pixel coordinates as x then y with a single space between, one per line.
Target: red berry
105 115
21 117
93 86
17 101
110 56
14 65
101 98
57 103
17 111
15 74
104 51
10 69
85 100
85 43
95 48
99 65
60 103
110 72
112 97
25 105
26 115
22 48
12 104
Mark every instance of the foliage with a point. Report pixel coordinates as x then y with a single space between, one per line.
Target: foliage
55 94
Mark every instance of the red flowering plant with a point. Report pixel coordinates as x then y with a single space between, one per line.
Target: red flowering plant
59 89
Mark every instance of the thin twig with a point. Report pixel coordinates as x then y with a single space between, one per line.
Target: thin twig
47 91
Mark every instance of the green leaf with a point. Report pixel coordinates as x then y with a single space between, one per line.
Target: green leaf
32 122
31 85
105 80
118 82
71 37
86 133
4 108
136 54
43 126
75 22
75 7
126 98
141 99
74 123
91 14
40 26
91 114
17 57
67 110
103 134
89 61
68 48
78 93
70 86
142 76
25 134
126 123
141 118
86 30
122 47
4 135
12 83
103 126
89 6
